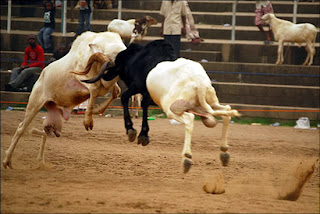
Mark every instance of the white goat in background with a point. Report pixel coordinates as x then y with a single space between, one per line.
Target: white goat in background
133 28
286 31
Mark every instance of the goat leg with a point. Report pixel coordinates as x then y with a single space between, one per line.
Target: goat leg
180 106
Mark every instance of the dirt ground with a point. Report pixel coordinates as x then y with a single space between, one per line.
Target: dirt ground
101 172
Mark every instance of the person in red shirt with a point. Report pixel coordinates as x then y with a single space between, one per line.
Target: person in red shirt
24 77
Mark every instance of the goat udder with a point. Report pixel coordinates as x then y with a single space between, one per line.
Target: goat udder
53 121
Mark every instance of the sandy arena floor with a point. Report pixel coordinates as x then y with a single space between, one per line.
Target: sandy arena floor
100 171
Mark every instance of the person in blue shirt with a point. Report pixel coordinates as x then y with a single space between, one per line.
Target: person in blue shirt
84 16
48 28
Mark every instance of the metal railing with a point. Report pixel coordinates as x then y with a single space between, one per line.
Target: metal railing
64 15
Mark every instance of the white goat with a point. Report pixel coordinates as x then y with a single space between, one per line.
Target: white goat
286 31
59 90
133 28
183 89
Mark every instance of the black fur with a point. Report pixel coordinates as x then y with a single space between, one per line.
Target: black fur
133 65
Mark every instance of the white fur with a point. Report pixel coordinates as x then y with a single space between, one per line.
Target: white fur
122 27
186 80
285 31
58 85
126 28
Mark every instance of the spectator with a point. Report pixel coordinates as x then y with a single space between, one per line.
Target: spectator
192 32
27 74
263 7
84 16
49 25
59 53
102 4
174 18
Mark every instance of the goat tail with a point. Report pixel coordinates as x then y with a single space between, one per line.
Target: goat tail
207 98
96 57
201 93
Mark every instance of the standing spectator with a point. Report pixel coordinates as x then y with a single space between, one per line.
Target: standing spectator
263 7
27 74
84 16
49 25
174 18
192 32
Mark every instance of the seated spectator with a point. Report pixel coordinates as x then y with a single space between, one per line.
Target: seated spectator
26 75
48 28
59 53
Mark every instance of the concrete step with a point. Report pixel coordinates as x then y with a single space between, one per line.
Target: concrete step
238 51
263 73
12 59
216 18
252 93
268 94
206 31
18 100
246 73
226 6
249 51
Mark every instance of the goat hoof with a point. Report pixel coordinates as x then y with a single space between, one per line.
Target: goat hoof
188 156
144 140
187 163
132 133
88 126
225 157
7 164
224 149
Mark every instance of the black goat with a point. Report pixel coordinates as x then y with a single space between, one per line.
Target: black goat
133 65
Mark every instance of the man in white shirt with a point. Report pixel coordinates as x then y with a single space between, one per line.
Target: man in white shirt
263 7
174 18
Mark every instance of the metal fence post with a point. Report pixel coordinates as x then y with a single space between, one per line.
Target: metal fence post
119 8
295 9
234 10
9 16
64 17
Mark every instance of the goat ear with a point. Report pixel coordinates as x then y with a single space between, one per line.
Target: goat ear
95 48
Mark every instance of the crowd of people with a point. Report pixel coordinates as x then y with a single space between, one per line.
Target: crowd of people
177 22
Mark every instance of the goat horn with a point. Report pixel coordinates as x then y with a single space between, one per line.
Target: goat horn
96 57
102 70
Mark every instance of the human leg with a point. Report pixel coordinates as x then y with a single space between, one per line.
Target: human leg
81 24
40 37
263 11
25 78
15 73
46 39
87 20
